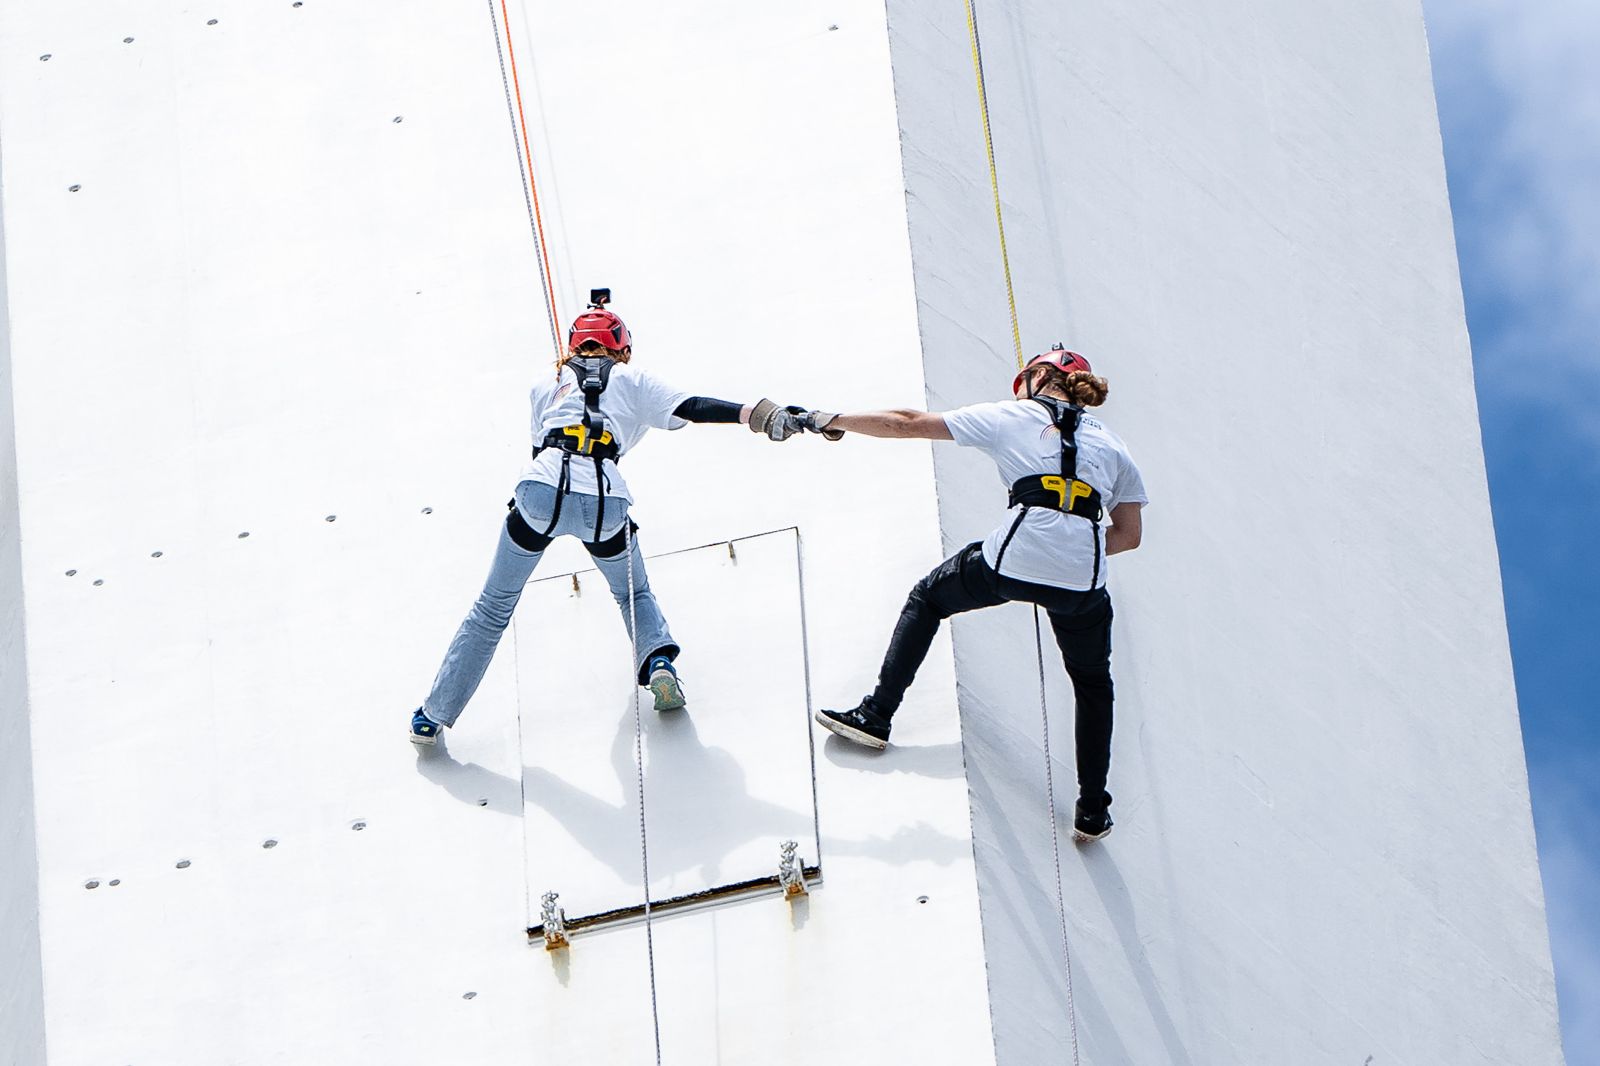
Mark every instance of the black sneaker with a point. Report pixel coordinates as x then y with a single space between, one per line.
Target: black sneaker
861 724
1089 826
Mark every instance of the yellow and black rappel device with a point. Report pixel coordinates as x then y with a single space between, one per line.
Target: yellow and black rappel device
585 443
1063 492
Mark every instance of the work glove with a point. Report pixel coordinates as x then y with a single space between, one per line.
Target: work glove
818 422
778 423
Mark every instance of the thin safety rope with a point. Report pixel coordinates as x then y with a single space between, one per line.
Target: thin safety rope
1016 340
805 658
522 776
1055 837
530 187
638 754
994 175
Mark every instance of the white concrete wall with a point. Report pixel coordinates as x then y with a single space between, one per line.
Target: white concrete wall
21 973
268 303
1324 852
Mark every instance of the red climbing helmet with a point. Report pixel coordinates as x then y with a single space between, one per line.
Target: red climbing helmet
599 325
1057 356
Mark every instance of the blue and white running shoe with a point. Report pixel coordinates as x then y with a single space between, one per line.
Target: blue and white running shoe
424 730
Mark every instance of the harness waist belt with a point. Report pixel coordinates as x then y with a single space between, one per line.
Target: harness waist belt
577 440
1071 496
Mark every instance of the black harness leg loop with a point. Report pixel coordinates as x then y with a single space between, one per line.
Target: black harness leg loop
562 484
1094 580
1000 556
522 534
600 486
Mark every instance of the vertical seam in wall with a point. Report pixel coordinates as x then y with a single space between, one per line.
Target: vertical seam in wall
22 752
933 466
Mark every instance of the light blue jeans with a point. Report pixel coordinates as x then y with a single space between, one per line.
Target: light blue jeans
478 636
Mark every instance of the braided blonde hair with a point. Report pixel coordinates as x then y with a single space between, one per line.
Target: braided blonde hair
1079 387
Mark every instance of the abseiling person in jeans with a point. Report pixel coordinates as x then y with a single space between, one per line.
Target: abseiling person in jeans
586 416
1066 473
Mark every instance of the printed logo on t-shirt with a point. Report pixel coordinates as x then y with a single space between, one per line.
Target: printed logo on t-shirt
562 391
1053 430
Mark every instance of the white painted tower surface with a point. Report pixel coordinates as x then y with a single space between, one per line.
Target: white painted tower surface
273 306
1325 851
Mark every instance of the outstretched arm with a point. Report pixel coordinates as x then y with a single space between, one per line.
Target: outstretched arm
901 422
707 409
780 422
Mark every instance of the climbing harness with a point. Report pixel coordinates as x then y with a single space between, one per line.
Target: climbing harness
589 439
1064 492
1016 339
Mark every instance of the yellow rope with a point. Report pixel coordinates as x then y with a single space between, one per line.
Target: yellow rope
994 177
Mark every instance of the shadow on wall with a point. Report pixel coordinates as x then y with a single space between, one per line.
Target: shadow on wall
941 761
1029 898
1118 904
685 777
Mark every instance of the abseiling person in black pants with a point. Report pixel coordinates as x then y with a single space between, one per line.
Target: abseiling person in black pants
1067 473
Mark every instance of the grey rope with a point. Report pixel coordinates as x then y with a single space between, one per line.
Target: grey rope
522 777
638 754
545 285
1055 836
1038 638
805 656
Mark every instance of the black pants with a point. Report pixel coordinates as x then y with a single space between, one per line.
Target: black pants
1081 622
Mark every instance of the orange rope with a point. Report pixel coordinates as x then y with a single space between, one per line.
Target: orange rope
527 150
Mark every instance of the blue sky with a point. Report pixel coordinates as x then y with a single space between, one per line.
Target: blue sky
1519 102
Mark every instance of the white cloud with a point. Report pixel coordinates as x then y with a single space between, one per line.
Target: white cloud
1519 94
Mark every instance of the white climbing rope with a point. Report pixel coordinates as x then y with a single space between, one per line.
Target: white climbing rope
805 659
1038 637
638 754
1055 834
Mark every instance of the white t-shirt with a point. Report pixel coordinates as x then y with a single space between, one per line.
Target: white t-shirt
633 402
1049 547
